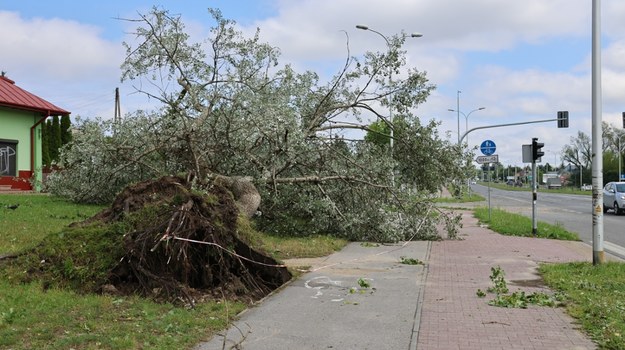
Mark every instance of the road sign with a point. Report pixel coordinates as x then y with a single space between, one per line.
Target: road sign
488 148
487 159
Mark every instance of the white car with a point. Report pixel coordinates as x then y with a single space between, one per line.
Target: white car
614 197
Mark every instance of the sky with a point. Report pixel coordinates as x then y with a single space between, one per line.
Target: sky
519 60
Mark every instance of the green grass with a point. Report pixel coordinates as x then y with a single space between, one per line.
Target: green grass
519 225
31 318
595 296
34 317
465 198
527 188
301 247
36 216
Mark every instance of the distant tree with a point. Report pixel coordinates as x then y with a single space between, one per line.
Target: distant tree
578 152
52 147
45 147
54 139
66 133
379 133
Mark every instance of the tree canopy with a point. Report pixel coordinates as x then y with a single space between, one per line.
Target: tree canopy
229 108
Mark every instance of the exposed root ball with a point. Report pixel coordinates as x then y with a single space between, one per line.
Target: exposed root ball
181 243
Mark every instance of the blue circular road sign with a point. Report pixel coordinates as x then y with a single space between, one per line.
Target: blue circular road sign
488 147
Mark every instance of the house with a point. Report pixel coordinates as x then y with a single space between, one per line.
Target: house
22 115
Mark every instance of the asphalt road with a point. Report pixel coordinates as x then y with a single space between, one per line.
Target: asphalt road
574 212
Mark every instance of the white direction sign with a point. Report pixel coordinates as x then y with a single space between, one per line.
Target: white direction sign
488 159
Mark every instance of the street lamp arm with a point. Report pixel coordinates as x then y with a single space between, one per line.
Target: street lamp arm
363 27
502 125
475 110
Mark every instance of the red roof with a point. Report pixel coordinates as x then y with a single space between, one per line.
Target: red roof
13 96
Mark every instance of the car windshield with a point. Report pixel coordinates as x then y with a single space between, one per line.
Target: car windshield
620 187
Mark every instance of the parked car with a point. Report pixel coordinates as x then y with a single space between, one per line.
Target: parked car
614 197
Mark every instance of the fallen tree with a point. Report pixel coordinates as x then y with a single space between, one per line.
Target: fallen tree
227 108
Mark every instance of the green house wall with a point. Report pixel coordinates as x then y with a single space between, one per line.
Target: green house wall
15 125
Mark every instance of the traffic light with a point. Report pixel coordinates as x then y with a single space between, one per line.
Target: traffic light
563 119
536 146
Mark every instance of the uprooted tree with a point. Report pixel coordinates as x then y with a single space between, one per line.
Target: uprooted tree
229 109
167 239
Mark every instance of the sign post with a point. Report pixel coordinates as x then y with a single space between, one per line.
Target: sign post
488 149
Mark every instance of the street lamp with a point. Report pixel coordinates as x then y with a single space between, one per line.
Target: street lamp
390 78
466 120
555 158
619 157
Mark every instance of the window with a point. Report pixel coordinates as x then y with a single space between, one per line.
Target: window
8 158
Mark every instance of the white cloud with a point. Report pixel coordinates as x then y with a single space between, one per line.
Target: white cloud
55 49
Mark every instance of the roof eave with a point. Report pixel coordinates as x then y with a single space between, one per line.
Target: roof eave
48 112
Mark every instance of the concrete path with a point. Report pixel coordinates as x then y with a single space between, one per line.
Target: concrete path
328 308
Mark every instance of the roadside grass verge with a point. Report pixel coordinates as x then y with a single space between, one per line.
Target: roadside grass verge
34 316
527 188
518 225
466 198
595 296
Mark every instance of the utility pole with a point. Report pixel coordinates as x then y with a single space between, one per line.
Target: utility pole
458 113
598 256
117 116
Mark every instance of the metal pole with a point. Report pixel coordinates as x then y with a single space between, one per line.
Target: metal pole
534 195
458 113
502 125
598 256
390 115
489 191
466 126
619 157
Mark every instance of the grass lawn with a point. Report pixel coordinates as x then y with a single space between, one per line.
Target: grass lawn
36 216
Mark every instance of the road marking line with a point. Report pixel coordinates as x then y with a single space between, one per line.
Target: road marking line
614 248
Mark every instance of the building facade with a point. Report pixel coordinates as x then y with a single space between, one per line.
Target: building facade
22 116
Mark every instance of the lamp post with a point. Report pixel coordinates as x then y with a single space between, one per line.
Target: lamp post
390 78
619 157
555 159
466 125
466 120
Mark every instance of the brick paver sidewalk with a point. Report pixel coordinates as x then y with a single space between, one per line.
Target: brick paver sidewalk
453 317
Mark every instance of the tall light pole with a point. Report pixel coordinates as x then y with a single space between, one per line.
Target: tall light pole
555 158
466 120
598 255
390 79
458 113
619 157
